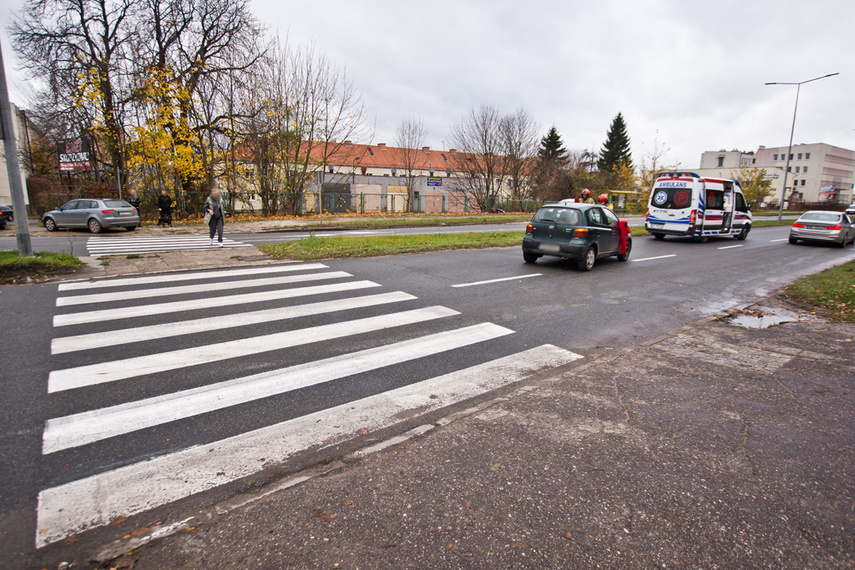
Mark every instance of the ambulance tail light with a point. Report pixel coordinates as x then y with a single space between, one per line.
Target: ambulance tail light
834 228
798 225
693 217
580 233
529 229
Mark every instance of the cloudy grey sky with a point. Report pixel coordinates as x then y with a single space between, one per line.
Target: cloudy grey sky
686 72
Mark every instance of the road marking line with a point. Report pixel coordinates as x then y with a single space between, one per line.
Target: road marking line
100 315
205 288
132 489
652 258
167 278
95 425
732 246
155 332
777 240
497 280
112 371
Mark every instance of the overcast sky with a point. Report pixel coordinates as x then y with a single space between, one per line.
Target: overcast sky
688 73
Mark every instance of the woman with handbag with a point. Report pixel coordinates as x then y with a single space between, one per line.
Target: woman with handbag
215 215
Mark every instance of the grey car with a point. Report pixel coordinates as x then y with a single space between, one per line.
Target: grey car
822 226
95 215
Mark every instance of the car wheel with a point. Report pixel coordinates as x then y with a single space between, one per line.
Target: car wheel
530 257
588 261
50 225
743 235
704 239
842 244
659 236
625 256
793 240
94 226
131 228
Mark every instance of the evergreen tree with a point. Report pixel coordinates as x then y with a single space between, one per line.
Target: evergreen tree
551 146
616 149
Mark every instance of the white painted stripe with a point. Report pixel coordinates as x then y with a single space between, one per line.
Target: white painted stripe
497 280
198 276
777 240
171 329
116 238
124 243
732 246
205 288
88 427
93 374
652 258
132 489
138 251
205 303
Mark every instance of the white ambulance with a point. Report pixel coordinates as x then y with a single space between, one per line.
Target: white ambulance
684 204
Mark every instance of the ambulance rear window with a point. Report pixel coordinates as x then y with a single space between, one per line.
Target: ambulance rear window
672 198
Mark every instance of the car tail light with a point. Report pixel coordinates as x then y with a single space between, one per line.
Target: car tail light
529 229
798 225
108 211
834 228
580 233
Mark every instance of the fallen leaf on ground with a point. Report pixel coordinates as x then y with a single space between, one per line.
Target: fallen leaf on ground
325 516
450 546
118 520
496 467
140 531
348 503
71 539
568 535
363 431
518 544
44 530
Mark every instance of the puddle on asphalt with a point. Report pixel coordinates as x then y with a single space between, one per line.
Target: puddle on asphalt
763 317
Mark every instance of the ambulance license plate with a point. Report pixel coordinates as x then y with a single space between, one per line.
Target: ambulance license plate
656 225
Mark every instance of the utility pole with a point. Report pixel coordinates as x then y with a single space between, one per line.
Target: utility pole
13 167
798 85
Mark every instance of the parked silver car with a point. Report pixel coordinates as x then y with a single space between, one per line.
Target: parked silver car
96 215
819 226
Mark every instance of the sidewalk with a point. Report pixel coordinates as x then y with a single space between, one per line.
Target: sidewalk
716 447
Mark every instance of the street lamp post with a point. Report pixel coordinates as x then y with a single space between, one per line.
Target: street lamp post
798 85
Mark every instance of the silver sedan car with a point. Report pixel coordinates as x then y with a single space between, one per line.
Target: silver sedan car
822 226
95 215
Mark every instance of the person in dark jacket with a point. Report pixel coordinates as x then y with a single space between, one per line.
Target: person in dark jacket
134 200
164 204
215 214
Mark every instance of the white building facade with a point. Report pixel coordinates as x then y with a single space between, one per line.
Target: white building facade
818 172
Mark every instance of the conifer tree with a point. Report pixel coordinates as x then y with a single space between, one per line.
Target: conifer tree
551 146
616 149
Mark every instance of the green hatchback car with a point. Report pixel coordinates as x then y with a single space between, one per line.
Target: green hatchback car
582 232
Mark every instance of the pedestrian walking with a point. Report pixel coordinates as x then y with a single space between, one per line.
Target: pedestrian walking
215 215
134 200
164 204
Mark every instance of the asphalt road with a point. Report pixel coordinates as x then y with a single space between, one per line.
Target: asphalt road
665 285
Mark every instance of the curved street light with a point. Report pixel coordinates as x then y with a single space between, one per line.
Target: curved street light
798 85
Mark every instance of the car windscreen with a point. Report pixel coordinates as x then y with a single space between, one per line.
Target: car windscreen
117 204
820 217
672 198
564 216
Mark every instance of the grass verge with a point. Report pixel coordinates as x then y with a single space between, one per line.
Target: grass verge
371 246
832 290
15 268
385 223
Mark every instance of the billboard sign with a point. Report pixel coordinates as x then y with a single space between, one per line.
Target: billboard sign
826 192
75 156
434 181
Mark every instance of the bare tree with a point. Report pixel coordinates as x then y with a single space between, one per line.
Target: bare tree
78 47
478 139
519 135
410 139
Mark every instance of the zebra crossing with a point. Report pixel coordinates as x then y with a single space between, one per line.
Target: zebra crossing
99 246
169 385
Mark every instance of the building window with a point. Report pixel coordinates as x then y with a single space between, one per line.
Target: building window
789 169
807 156
776 157
720 161
791 157
798 169
804 169
803 182
800 156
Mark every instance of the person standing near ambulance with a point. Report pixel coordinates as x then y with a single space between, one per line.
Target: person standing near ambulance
586 197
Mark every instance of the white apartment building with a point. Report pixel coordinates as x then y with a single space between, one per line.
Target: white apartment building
819 172
727 159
